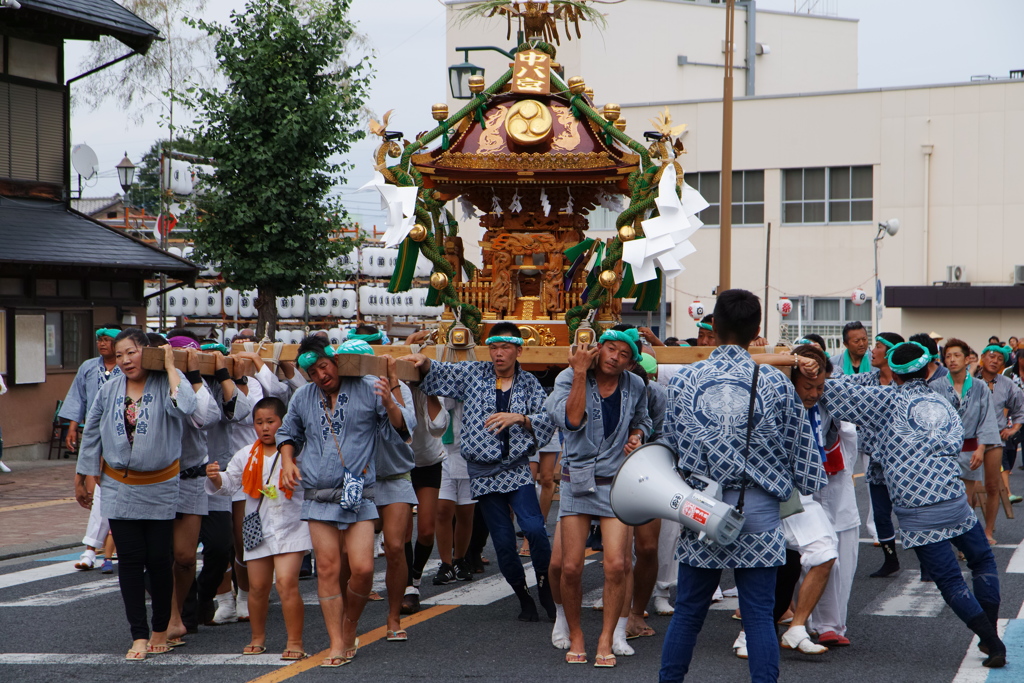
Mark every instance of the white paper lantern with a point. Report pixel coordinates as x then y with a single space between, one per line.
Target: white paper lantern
784 306
247 304
202 311
335 296
187 297
152 303
175 251
420 294
230 303
696 310
298 336
174 302
298 305
423 266
323 303
368 261
284 307
229 334
214 303
859 297
348 303
392 261
335 335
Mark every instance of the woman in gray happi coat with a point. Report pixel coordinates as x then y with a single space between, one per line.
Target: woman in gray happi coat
135 424
327 443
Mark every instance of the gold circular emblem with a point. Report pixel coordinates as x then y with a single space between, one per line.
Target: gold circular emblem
528 122
438 280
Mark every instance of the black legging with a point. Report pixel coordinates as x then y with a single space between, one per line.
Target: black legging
217 536
145 546
785 583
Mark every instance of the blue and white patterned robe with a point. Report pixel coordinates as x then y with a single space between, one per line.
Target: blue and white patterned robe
89 379
158 433
587 442
918 436
474 383
359 420
706 426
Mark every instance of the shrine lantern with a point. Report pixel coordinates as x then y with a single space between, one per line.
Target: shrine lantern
859 297
785 306
696 310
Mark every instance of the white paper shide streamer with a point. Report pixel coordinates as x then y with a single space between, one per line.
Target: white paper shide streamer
399 203
667 237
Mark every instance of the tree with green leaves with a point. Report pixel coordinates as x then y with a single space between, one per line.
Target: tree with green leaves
290 107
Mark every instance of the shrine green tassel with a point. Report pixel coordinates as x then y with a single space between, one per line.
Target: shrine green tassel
627 287
405 269
648 294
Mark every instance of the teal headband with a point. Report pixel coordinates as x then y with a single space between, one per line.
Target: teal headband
802 342
107 332
649 363
1005 350
705 326
518 341
357 346
884 342
215 347
309 358
630 336
368 338
914 365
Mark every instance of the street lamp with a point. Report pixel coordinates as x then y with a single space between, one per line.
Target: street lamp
889 227
125 173
458 74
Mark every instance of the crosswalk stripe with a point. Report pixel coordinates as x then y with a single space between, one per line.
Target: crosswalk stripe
484 591
171 659
36 574
907 597
63 596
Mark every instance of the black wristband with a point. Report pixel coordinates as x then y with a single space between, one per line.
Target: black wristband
241 381
222 375
194 377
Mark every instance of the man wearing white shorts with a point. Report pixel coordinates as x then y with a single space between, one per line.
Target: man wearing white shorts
455 500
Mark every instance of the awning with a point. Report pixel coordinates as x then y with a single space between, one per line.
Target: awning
972 296
40 233
83 20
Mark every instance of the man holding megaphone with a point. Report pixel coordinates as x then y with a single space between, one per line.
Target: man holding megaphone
746 430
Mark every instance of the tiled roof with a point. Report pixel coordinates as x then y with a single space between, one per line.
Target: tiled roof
90 206
103 17
39 232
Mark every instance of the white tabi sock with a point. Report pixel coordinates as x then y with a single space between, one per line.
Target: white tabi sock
619 645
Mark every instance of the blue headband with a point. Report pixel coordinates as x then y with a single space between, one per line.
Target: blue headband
913 366
309 358
355 346
705 326
1005 350
518 341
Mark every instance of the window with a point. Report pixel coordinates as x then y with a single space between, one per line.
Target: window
747 196
827 317
36 61
68 339
839 194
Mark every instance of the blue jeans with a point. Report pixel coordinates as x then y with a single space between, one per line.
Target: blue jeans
881 506
757 599
496 509
939 560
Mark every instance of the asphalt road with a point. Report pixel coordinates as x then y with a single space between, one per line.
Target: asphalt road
60 625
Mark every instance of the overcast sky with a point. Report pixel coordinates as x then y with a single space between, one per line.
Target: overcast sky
902 42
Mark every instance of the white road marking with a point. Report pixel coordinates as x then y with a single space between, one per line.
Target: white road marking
169 659
37 574
908 597
63 596
1016 565
971 670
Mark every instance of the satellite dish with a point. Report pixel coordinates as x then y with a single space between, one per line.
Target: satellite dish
85 161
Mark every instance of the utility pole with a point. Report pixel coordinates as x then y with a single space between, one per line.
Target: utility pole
725 202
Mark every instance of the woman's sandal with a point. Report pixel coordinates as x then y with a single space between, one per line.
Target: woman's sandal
575 657
254 649
397 636
334 662
136 655
293 655
645 632
158 649
176 642
605 662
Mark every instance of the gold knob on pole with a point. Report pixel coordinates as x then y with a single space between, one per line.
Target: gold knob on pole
418 233
620 125
577 85
627 233
476 84
439 281
608 279
439 111
612 112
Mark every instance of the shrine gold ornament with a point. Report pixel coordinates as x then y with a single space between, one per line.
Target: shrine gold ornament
529 122
439 111
626 233
612 112
418 233
439 281
608 279
620 125
577 85
476 84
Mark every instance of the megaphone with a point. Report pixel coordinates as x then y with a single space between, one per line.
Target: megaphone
648 486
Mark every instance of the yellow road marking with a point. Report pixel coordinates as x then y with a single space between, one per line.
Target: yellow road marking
313 661
42 504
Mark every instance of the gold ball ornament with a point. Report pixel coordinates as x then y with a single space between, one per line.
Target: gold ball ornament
608 279
476 84
620 125
418 234
438 281
612 112
589 92
439 111
627 233
577 85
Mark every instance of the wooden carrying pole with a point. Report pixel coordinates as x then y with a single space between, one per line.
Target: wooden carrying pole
725 201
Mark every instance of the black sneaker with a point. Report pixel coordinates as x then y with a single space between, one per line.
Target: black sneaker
463 571
445 575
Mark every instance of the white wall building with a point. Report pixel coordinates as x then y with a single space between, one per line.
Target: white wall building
819 161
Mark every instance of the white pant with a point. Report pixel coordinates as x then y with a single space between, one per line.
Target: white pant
96 530
830 613
668 568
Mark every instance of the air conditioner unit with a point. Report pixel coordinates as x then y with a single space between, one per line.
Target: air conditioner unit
1018 275
956 274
